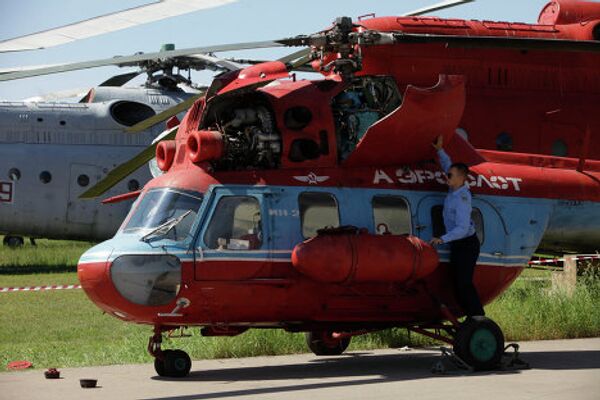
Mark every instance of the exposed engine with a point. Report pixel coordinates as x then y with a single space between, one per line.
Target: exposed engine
365 101
249 134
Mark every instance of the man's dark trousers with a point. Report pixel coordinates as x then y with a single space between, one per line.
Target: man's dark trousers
463 257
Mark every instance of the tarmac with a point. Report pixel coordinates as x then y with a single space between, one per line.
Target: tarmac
560 369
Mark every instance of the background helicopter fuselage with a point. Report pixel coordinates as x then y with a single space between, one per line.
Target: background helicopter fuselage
51 152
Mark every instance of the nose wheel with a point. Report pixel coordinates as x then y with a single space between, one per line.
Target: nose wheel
168 363
174 364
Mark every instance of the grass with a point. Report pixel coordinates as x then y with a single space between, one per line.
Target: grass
63 328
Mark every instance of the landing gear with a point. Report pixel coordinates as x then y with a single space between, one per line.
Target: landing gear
168 363
13 241
322 343
174 364
479 342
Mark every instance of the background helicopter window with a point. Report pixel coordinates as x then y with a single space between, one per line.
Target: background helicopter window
14 174
129 113
317 210
133 185
149 280
235 224
437 220
393 212
83 180
158 206
45 177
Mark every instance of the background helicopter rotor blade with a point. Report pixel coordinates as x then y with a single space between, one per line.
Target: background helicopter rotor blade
120 80
155 11
136 58
119 173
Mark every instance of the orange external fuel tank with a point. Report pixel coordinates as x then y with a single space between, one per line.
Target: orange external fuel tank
352 255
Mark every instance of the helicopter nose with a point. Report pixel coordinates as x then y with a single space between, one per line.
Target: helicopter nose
93 274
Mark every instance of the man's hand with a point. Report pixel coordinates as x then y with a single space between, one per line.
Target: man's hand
439 143
435 241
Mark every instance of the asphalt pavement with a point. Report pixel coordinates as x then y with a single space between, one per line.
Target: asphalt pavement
560 369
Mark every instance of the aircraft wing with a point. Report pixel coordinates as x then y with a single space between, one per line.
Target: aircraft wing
405 135
154 11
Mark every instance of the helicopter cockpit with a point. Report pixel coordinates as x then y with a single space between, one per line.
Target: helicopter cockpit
164 213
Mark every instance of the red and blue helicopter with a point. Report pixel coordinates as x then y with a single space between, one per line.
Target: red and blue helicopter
307 205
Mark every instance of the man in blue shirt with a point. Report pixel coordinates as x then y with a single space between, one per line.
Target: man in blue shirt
460 232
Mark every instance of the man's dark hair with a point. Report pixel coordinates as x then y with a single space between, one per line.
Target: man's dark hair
462 168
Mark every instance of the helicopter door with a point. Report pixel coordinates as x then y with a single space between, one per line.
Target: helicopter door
81 177
233 243
489 227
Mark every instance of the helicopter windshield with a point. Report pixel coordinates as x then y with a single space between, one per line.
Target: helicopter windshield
161 205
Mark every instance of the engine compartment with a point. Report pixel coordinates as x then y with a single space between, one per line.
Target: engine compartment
365 101
247 125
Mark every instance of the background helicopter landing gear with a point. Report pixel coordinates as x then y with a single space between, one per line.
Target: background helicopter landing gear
13 241
479 343
168 363
322 343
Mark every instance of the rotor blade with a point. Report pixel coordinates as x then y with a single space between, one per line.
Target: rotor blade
516 43
222 63
122 171
120 80
294 56
32 71
436 7
112 22
160 117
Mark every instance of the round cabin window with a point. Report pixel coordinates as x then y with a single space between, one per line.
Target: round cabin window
45 177
83 180
14 174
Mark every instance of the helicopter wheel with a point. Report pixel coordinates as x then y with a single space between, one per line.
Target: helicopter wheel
174 364
480 343
323 344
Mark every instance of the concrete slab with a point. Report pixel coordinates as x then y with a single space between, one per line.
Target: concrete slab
561 369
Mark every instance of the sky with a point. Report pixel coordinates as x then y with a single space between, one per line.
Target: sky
242 21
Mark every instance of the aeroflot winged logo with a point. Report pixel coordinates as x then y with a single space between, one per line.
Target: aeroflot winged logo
311 178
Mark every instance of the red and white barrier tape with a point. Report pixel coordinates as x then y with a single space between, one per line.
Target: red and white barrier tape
38 288
557 260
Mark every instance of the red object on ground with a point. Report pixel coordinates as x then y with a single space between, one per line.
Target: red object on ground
18 365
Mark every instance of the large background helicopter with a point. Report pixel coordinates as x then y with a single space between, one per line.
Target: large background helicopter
246 227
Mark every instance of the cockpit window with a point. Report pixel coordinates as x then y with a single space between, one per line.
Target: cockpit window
161 205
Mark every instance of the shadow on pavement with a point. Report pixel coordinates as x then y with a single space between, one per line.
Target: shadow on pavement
364 369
